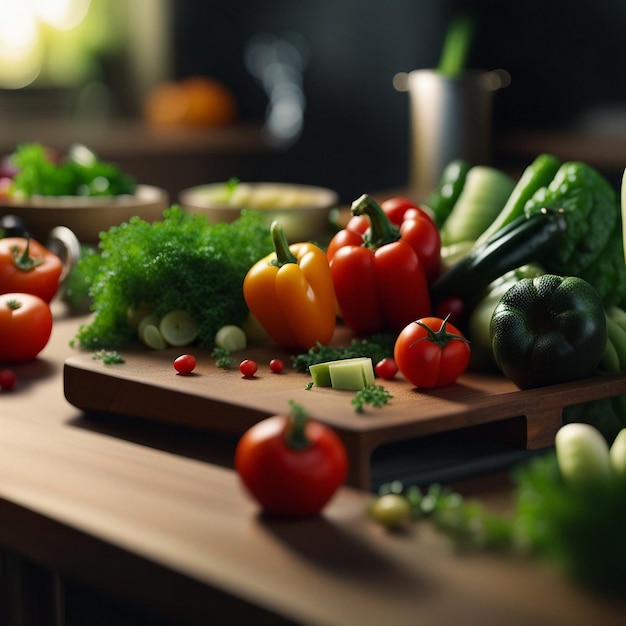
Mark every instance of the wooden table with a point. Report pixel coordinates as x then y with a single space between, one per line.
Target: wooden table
154 516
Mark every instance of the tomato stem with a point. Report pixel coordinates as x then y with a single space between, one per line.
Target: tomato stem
281 246
439 337
382 230
24 261
295 435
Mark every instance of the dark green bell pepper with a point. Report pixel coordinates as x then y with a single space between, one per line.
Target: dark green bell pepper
547 330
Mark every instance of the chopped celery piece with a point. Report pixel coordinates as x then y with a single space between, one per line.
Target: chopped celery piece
353 373
320 374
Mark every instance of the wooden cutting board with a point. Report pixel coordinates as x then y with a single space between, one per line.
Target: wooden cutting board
222 401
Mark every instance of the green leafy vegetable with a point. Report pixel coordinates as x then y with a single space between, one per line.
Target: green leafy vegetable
376 347
181 262
582 529
591 246
39 173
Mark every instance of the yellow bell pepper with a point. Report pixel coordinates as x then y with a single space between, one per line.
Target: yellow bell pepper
291 293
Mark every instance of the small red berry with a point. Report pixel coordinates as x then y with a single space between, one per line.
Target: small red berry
276 366
248 368
185 364
386 368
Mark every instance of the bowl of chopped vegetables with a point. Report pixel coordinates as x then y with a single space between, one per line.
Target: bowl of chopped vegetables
303 211
76 190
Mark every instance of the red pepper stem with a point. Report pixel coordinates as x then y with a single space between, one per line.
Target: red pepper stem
382 230
295 435
281 246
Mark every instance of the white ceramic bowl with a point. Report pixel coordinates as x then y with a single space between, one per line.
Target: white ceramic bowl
86 216
303 211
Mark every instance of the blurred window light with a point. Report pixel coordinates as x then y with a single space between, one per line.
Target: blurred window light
60 14
50 41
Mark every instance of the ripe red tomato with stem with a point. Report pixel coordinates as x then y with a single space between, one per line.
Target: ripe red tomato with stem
291 465
26 266
431 352
25 326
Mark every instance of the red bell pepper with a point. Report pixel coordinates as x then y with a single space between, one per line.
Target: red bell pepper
380 281
416 226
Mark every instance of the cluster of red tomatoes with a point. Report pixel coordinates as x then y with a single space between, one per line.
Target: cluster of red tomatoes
29 279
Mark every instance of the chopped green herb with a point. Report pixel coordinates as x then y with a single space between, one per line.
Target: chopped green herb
223 360
108 357
180 262
376 347
374 395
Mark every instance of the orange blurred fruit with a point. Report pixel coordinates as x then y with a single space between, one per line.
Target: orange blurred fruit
193 101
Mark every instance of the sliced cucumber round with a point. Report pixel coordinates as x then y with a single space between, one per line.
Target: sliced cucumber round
231 338
147 320
178 328
153 338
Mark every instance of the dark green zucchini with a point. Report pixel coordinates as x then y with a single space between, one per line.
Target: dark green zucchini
523 240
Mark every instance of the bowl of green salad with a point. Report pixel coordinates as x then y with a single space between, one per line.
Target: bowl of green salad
303 211
76 190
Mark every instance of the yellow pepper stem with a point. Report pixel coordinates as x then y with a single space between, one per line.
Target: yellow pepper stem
281 246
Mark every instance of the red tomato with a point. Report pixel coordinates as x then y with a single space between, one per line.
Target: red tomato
431 352
28 267
400 208
25 326
291 465
248 368
185 364
276 366
386 368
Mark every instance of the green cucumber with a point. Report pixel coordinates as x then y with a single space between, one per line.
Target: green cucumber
484 194
537 175
522 241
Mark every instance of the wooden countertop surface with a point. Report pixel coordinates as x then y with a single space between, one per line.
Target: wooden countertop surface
136 510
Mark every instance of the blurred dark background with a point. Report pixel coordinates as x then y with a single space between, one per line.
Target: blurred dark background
565 58
344 125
